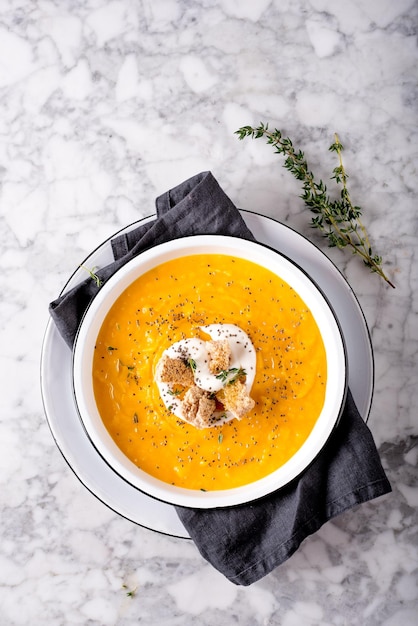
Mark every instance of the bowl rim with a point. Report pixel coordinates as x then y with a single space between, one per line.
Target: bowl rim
117 460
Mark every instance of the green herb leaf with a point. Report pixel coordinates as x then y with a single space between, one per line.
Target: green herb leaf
229 377
192 364
94 276
174 392
130 592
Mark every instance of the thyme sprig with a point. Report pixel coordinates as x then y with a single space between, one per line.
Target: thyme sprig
94 276
230 376
338 220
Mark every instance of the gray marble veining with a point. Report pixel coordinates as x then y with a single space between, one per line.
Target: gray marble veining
103 106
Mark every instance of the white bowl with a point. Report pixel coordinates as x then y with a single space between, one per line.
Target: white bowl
337 374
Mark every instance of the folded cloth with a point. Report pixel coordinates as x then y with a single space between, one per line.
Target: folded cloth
246 542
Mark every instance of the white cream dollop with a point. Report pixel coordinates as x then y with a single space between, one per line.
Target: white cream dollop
242 356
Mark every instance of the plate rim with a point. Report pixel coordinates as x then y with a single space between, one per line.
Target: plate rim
100 247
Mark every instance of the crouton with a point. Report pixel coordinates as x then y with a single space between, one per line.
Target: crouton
175 371
220 354
235 399
198 407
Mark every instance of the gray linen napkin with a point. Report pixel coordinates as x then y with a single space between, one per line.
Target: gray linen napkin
246 542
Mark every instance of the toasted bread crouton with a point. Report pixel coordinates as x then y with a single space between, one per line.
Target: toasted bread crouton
198 407
220 354
175 371
235 399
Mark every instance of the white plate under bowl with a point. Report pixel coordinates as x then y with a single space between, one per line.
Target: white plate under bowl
56 374
281 266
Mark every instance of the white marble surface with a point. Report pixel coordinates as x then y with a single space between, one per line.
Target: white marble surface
103 106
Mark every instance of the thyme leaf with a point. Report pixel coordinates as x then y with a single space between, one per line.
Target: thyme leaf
191 363
129 592
94 276
339 220
174 392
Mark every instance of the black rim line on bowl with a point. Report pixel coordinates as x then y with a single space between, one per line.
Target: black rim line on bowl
106 241
323 444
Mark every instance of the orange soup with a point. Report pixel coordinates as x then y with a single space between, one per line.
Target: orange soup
171 303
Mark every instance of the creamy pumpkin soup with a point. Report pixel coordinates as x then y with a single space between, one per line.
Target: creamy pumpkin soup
238 407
